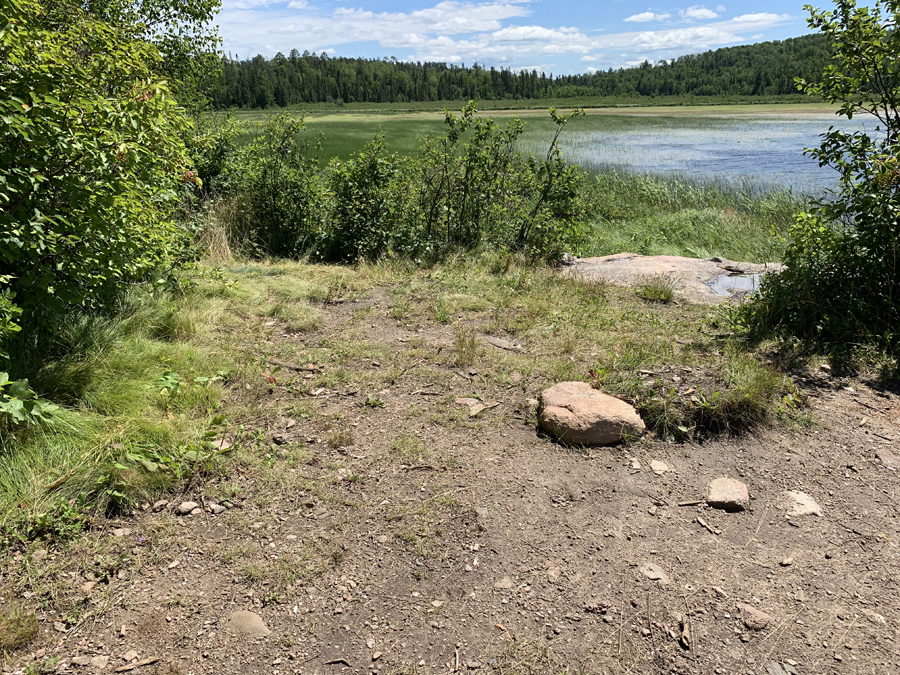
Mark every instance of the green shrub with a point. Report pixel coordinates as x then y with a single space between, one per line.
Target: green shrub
840 287
277 181
91 162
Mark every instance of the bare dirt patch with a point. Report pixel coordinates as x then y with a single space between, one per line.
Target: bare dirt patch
376 524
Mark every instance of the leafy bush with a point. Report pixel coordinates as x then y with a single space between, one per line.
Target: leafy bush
91 162
843 263
467 189
277 180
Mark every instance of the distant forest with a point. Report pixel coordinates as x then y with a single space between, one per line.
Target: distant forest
763 69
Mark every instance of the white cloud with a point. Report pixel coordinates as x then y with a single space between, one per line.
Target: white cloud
700 37
760 19
299 4
536 33
698 12
590 69
647 16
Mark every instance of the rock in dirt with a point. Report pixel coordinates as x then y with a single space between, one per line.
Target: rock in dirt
185 508
160 505
774 668
801 504
654 573
505 583
82 660
888 459
727 494
248 623
217 508
658 467
576 413
754 619
130 655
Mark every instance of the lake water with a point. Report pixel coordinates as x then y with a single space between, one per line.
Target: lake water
766 152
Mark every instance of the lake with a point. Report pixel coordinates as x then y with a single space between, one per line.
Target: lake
764 152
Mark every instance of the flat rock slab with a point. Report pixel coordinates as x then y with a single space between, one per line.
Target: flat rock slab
801 504
248 623
694 278
578 414
727 494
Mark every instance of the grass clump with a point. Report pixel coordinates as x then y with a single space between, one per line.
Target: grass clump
658 288
465 344
18 627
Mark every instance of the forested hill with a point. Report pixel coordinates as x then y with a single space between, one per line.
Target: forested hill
766 68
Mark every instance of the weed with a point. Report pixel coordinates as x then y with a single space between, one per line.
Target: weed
340 439
373 401
465 345
18 627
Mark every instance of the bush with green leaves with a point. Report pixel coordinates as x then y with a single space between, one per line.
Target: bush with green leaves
278 183
840 286
467 189
92 162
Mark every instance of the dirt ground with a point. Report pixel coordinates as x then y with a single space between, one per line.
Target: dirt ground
395 532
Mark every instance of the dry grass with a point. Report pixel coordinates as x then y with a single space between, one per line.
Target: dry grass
18 627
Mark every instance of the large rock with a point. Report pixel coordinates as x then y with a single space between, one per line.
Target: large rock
576 413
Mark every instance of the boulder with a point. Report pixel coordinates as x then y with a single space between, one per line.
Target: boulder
578 414
727 494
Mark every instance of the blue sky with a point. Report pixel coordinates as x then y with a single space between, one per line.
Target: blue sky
559 37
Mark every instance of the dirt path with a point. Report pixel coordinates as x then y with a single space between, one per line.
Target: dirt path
440 543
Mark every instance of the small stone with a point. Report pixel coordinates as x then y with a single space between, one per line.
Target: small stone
279 439
248 623
383 539
728 494
504 584
754 619
121 532
370 643
635 464
130 655
88 586
473 665
217 509
802 504
652 510
481 511
160 505
658 467
787 562
185 508
38 555
376 656
774 668
437 603
197 511
888 459
99 662
654 573
515 377
82 660
790 669
576 413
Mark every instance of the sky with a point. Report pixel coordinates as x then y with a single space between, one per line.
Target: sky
556 37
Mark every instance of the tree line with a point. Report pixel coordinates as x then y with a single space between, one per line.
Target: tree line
763 69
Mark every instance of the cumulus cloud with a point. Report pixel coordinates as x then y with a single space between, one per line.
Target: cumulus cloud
458 31
698 12
699 37
647 16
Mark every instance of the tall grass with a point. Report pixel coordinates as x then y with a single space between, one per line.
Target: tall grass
668 215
